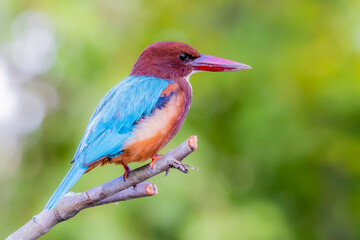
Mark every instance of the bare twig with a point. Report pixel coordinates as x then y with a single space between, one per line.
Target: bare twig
112 191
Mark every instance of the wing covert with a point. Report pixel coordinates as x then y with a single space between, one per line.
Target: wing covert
114 118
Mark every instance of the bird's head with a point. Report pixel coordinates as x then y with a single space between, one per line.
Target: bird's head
174 60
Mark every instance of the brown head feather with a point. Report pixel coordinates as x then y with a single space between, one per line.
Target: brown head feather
162 60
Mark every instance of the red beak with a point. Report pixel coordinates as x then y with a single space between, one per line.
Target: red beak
215 64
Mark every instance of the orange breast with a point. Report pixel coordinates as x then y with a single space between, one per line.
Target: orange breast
154 132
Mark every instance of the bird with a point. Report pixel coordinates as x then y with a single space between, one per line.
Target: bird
143 112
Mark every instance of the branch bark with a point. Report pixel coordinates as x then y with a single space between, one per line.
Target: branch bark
109 192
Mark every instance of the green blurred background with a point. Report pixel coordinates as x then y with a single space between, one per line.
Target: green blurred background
279 145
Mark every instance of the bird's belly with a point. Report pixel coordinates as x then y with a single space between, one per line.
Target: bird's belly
154 132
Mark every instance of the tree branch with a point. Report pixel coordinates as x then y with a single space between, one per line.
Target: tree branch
109 192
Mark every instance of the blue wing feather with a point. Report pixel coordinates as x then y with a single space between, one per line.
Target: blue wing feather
111 124
114 118
163 100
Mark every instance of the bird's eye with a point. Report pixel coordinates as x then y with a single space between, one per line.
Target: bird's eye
183 57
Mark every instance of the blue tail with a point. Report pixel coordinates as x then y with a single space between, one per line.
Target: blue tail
74 174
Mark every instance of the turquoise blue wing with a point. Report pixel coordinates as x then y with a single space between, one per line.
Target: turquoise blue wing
111 124
115 116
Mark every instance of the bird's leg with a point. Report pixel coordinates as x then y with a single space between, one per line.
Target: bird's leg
154 158
127 171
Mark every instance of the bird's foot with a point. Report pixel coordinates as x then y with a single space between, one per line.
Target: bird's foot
154 158
126 174
127 171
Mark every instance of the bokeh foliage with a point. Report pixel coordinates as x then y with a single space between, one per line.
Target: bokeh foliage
279 145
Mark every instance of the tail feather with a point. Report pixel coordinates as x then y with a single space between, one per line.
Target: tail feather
74 174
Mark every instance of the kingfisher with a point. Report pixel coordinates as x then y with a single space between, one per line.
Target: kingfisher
143 112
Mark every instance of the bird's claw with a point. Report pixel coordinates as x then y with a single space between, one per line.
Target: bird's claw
154 158
127 172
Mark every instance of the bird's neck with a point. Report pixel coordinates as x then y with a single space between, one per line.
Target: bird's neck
186 88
